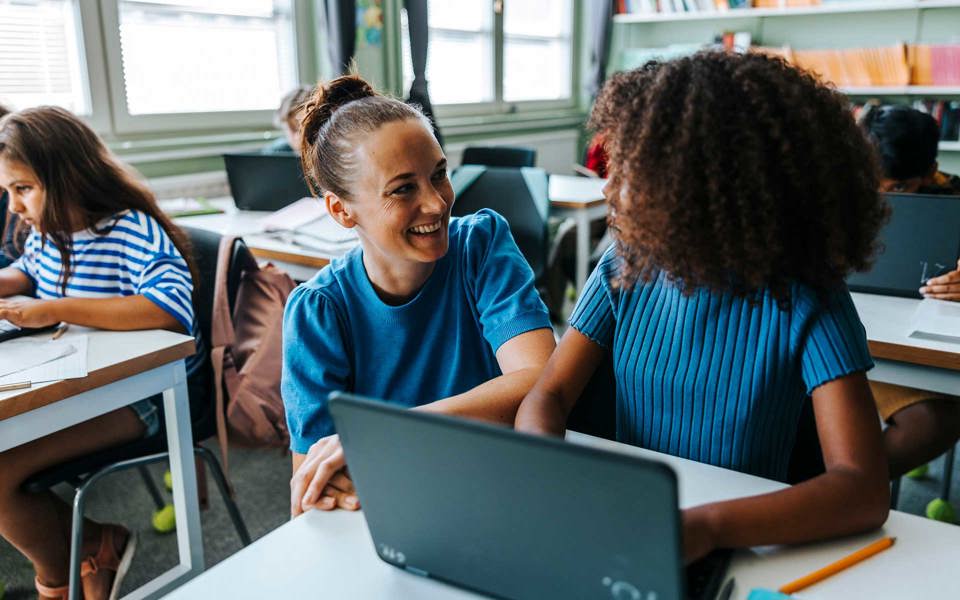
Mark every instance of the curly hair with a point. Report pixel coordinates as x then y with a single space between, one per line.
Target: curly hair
738 173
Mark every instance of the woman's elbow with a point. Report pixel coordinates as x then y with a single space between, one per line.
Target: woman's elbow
873 503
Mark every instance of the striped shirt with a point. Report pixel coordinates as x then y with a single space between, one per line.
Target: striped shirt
712 377
127 254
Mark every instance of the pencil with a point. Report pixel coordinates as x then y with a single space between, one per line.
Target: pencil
834 568
62 329
20 385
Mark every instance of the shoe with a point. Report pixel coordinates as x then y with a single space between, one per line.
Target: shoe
918 473
106 557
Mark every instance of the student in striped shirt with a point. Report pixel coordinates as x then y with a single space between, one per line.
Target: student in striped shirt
100 254
741 194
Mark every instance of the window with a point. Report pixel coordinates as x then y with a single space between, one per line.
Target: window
40 55
203 56
497 52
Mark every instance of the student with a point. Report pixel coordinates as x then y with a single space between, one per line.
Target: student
907 140
429 311
722 301
11 236
921 425
288 118
100 254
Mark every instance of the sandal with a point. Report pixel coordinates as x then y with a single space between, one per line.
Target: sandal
46 591
106 557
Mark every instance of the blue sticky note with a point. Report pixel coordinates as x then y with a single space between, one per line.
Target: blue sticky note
762 594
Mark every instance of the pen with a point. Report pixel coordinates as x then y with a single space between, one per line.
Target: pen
62 329
834 568
726 590
20 385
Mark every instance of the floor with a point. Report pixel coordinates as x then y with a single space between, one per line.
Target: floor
261 478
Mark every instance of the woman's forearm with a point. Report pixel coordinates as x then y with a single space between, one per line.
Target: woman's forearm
13 282
125 313
495 400
543 412
839 502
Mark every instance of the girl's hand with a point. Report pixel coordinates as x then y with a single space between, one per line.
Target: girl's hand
945 287
321 480
698 538
29 313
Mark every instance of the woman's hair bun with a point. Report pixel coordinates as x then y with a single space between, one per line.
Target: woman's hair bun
327 99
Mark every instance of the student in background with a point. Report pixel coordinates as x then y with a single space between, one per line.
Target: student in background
921 425
11 237
100 254
723 301
288 119
429 311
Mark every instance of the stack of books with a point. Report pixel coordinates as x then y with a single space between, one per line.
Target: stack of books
696 6
934 64
857 67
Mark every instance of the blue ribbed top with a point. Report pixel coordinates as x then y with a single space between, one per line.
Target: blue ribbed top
716 378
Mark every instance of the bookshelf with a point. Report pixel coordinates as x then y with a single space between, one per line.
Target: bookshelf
834 24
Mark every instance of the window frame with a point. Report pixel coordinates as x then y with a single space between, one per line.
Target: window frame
498 106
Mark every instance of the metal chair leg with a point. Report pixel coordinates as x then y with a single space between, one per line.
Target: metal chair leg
225 492
76 540
152 489
895 493
947 473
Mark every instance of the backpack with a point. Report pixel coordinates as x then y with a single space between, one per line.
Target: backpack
247 350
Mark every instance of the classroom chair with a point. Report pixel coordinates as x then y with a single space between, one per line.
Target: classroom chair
519 194
499 156
83 472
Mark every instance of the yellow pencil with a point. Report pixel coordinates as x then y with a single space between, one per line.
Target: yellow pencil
834 568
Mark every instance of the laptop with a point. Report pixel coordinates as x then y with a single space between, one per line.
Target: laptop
921 240
513 515
265 181
9 331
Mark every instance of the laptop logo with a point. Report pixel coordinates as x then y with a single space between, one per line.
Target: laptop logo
624 590
391 555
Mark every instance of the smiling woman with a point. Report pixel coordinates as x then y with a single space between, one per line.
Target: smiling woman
429 312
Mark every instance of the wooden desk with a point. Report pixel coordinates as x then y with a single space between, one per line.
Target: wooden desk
580 198
331 555
301 262
913 362
123 367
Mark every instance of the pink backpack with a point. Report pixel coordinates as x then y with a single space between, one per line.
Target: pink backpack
246 352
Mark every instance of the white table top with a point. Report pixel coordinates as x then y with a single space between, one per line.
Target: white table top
331 555
887 318
111 355
568 190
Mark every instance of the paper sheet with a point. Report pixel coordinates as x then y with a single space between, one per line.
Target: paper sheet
40 359
936 320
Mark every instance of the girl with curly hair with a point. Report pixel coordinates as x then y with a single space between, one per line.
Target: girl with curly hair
741 194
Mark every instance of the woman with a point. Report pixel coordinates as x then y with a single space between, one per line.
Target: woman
428 312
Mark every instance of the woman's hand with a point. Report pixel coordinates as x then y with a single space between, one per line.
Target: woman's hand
30 313
698 538
945 287
321 480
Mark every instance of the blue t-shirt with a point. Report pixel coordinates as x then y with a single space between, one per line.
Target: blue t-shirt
712 377
339 335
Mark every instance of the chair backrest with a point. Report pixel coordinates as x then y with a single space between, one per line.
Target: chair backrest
499 156
205 246
519 194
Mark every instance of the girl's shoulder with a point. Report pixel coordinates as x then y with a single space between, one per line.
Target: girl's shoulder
135 228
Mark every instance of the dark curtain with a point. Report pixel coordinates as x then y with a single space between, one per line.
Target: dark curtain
340 24
419 42
602 26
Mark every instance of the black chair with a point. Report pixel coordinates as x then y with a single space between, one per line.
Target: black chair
83 472
520 195
499 156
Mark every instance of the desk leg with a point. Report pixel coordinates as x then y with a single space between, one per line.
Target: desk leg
583 249
176 405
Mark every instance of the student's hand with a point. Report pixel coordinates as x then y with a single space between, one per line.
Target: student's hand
698 538
29 313
321 481
945 287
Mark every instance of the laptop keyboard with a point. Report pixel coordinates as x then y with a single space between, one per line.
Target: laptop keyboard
705 576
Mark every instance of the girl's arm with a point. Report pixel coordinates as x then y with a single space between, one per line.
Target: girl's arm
546 408
13 282
126 313
521 360
852 496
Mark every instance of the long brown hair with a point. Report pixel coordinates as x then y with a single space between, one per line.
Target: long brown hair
80 177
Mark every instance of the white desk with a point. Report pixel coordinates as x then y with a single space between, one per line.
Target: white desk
902 360
123 367
330 554
580 198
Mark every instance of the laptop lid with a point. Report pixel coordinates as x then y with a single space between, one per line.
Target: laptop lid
921 240
509 514
265 181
